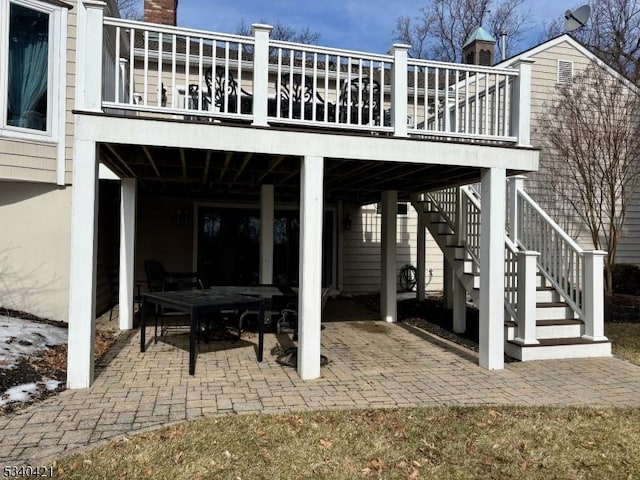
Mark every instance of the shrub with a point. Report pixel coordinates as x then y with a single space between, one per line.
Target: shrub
626 279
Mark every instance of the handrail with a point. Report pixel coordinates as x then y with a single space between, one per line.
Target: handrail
163 70
562 260
557 228
171 30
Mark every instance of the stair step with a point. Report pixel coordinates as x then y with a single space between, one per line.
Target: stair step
547 295
549 329
557 348
553 311
558 321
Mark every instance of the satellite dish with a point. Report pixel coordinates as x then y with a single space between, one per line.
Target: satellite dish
577 18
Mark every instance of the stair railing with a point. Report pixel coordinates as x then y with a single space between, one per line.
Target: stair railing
460 207
576 274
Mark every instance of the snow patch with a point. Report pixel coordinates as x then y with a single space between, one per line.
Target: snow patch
22 338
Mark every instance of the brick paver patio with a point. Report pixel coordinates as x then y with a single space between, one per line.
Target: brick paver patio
372 364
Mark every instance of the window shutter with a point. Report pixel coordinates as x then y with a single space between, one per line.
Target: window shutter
565 72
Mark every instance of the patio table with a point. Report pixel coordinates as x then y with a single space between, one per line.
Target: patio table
196 303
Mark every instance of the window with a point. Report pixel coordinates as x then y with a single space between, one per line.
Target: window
31 83
402 208
565 72
28 66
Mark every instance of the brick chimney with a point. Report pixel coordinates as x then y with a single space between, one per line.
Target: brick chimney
161 11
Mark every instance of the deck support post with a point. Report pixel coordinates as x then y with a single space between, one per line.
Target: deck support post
388 269
491 305
260 73
128 198
84 246
310 273
266 234
515 183
421 257
594 295
459 306
448 278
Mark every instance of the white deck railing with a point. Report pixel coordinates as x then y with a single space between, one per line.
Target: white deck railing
460 100
198 74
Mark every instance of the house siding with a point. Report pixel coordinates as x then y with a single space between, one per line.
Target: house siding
543 93
361 251
629 246
27 160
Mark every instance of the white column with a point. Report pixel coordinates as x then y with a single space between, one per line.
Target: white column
89 65
128 200
310 293
399 88
594 295
388 268
82 284
527 271
459 306
521 103
491 305
266 234
515 183
260 73
421 257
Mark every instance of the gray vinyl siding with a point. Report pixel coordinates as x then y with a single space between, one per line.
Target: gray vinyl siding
629 246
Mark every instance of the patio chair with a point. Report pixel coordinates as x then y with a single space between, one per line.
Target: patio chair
360 97
227 86
298 100
160 280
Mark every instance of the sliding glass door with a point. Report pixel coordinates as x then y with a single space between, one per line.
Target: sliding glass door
229 246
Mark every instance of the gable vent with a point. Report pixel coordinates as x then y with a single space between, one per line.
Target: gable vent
565 72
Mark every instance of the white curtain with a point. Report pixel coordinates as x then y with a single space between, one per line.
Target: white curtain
28 67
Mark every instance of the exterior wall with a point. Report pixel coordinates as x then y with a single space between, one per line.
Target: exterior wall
28 161
629 246
72 29
543 93
34 253
361 254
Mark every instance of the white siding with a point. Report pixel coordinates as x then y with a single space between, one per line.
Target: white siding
361 272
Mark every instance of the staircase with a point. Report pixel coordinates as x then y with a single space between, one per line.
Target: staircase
551 308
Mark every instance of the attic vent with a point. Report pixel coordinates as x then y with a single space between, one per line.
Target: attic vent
565 72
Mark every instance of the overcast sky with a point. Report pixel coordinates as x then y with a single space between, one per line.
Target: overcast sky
364 25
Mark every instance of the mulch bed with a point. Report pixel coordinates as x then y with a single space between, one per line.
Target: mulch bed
50 364
432 317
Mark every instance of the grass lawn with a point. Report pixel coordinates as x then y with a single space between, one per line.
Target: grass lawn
625 338
436 442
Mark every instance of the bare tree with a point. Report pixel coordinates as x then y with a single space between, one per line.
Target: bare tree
442 26
283 32
130 9
592 130
612 33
